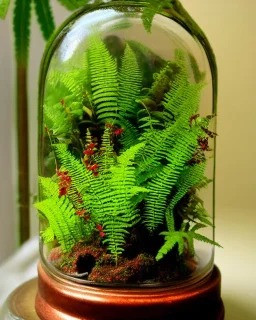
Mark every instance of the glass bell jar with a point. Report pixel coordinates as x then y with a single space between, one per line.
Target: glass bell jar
127 118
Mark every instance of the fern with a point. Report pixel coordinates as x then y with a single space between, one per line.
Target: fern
189 177
48 188
130 82
122 213
106 158
180 238
130 136
64 223
161 186
153 7
103 78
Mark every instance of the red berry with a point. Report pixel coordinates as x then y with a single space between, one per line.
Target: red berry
119 131
93 167
99 227
91 145
63 191
88 152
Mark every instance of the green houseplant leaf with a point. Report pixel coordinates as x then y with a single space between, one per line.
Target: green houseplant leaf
4 6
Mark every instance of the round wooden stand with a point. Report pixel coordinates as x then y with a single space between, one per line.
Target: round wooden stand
59 299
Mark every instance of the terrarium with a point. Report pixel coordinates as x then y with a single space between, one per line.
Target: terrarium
127 127
127 118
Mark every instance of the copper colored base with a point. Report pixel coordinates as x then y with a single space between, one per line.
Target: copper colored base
62 300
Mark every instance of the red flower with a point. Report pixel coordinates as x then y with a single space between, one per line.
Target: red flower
119 131
63 191
102 234
95 173
93 167
81 213
99 227
91 145
88 152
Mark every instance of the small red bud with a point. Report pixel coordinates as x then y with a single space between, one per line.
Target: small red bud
99 227
91 145
88 152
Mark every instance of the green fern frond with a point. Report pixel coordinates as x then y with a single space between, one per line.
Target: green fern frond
153 7
161 186
64 223
179 238
47 235
81 177
56 119
130 83
162 81
118 211
130 136
188 178
45 17
48 188
103 78
107 157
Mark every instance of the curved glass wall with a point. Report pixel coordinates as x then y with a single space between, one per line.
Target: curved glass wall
126 150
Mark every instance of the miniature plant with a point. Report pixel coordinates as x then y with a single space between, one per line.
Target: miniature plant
126 157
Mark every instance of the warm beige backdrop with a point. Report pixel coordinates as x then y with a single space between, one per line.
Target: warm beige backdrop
231 27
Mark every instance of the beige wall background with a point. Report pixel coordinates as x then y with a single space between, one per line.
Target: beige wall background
230 25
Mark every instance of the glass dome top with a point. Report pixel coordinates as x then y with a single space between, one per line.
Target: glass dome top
126 150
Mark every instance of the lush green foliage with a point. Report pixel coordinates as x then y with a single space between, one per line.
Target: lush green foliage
124 155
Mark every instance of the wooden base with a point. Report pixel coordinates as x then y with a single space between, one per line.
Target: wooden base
62 300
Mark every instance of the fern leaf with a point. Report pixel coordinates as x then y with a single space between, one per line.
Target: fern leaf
63 221
153 7
171 239
116 207
4 6
130 83
48 188
178 237
202 238
45 17
107 158
188 178
130 136
103 77
48 235
21 25
161 186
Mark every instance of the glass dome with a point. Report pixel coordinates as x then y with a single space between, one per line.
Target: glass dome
126 149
